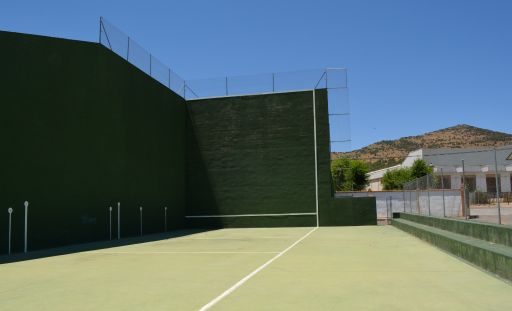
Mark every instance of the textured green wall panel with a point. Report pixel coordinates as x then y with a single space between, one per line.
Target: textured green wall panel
82 129
255 155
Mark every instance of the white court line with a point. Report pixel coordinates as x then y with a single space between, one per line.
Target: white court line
237 239
163 252
250 275
251 215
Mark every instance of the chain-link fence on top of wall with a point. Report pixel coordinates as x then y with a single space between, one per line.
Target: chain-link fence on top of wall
332 79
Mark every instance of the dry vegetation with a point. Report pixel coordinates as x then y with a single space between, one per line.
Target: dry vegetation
391 152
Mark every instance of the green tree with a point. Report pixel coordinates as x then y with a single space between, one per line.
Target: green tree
420 168
349 174
394 179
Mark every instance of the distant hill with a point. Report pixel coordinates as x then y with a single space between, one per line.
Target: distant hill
391 152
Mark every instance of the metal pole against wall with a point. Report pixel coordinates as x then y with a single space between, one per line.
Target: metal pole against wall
140 220
442 187
165 218
25 248
497 186
110 222
118 220
9 210
428 194
273 83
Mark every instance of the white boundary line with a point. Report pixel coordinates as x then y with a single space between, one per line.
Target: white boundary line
164 252
250 275
249 215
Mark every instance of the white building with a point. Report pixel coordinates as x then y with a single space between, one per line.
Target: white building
479 167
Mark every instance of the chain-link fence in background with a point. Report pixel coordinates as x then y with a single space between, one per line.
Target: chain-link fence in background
481 177
332 79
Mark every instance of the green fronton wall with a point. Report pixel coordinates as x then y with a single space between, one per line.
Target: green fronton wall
81 129
255 155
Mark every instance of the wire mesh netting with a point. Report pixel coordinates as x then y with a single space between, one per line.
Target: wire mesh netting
332 79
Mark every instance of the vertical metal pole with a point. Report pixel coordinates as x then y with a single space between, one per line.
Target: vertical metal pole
169 84
497 186
403 193
418 196
165 218
227 86
410 201
442 187
9 210
326 82
273 83
118 220
464 187
110 221
26 227
316 159
428 194
140 220
150 64
99 40
390 207
128 50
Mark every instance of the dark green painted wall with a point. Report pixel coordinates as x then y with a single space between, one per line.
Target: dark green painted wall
80 130
255 155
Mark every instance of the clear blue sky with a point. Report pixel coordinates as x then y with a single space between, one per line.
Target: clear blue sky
414 66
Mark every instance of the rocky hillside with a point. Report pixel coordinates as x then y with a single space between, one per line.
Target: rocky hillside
391 152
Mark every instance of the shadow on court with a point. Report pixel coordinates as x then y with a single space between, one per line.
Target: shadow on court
98 245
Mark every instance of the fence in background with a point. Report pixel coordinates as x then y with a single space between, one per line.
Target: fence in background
332 79
417 202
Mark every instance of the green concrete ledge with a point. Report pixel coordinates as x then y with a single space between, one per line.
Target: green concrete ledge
499 234
494 258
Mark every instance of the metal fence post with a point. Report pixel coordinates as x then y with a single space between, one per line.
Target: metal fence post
169 73
118 220
128 50
442 187
26 227
140 220
497 187
428 194
110 222
465 196
403 193
165 218
9 210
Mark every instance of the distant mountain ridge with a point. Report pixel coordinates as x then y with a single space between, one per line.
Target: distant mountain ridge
387 153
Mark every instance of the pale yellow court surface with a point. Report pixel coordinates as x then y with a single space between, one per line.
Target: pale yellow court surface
337 268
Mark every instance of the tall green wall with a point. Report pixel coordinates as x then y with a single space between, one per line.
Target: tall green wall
81 129
255 155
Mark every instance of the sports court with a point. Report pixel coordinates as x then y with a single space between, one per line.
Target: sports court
326 268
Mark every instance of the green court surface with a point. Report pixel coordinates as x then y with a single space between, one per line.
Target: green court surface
329 268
